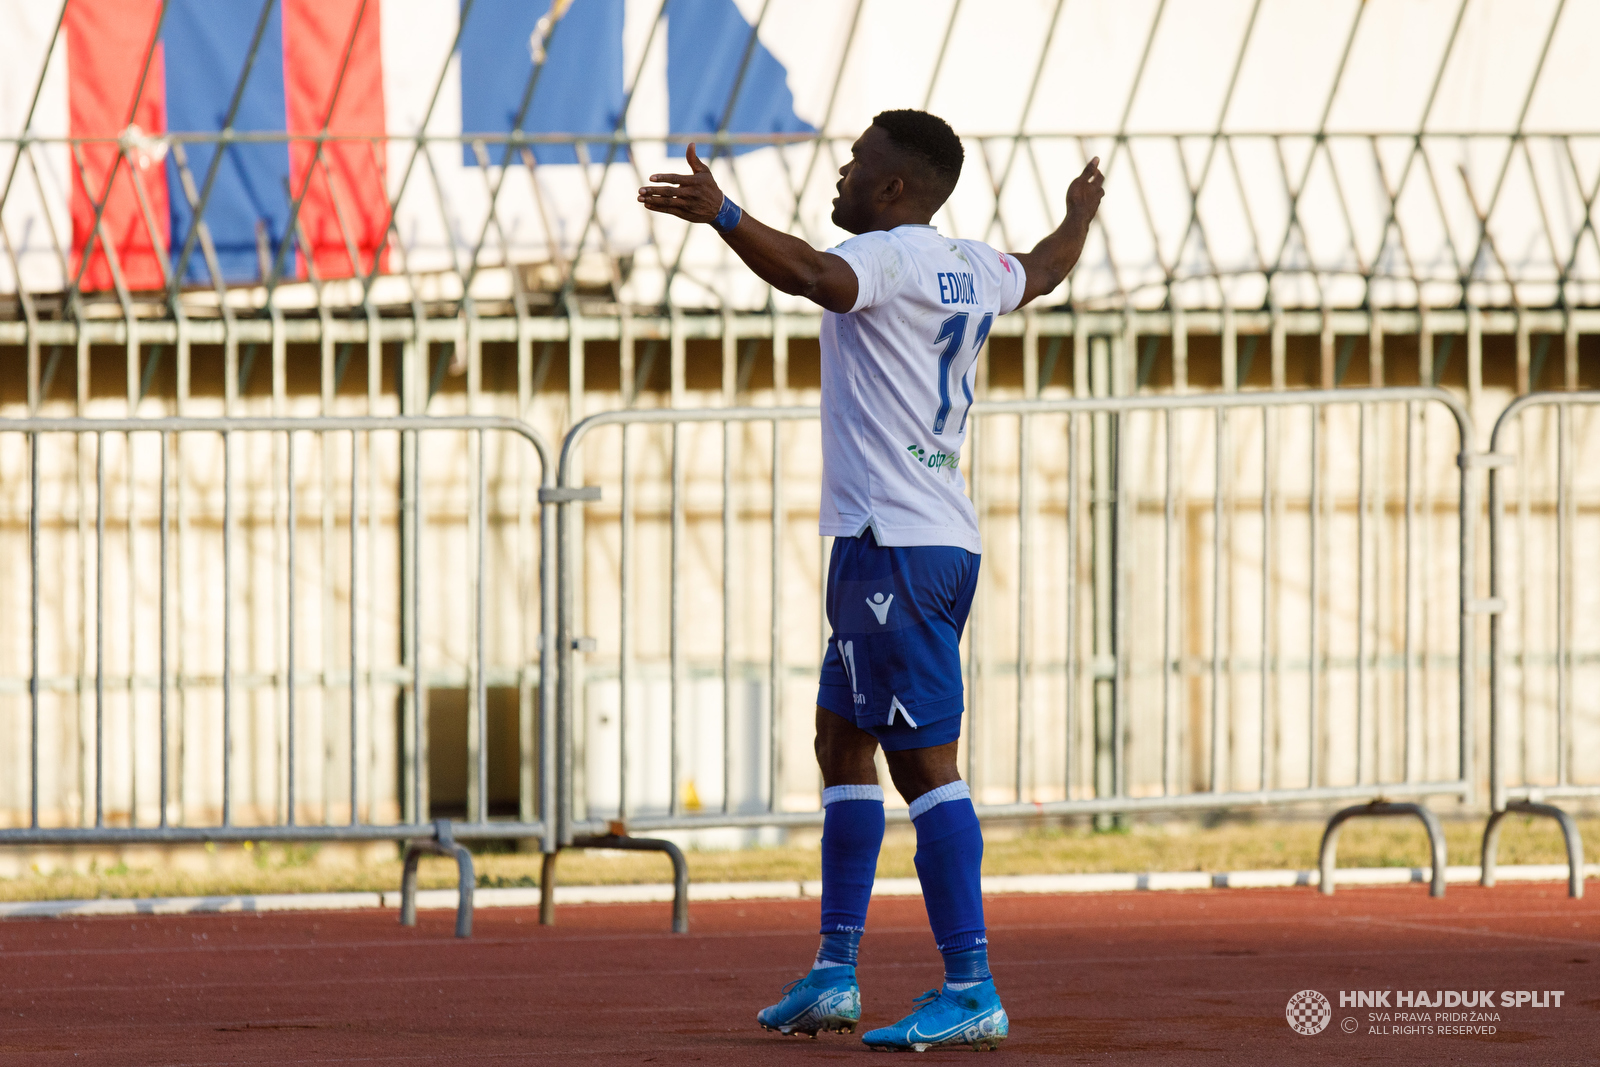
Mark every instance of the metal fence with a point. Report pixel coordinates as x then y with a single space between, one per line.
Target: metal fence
230 734
1544 722
1191 603
1362 171
1213 602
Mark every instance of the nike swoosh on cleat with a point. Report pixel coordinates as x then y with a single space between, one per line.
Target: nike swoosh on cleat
803 1012
822 1006
915 1033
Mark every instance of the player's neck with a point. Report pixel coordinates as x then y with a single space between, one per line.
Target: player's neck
898 216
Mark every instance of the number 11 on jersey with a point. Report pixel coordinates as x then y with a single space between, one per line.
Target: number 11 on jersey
952 332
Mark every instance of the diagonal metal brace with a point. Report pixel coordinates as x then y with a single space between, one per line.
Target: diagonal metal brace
443 844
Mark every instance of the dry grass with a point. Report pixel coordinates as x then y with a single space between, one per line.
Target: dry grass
1176 847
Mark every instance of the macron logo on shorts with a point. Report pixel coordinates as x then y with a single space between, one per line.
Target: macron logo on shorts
880 607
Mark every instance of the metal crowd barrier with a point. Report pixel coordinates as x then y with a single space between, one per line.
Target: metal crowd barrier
1218 602
1542 731
200 795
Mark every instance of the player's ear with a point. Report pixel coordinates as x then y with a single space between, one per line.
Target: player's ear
892 190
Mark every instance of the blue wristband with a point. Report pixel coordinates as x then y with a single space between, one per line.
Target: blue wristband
728 217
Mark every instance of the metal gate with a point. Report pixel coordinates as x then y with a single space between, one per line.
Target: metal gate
1544 725
217 677
1217 602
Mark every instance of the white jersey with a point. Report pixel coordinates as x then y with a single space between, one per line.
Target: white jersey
897 373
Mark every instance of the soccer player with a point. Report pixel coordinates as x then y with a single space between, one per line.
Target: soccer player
906 312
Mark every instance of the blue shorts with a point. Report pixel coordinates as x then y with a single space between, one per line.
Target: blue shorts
893 663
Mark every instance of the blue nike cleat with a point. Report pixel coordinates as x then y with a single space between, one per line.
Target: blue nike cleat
942 1018
826 999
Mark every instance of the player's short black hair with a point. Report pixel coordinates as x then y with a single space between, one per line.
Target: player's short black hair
927 138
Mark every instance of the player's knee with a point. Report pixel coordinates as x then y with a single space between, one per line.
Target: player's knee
844 751
915 771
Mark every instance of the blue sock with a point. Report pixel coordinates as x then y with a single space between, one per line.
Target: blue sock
949 865
852 833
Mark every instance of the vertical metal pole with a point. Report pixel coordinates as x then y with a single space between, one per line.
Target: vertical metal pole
227 629
1474 361
180 402
408 648
1030 388
1569 347
676 620
1524 623
1169 574
625 621
1280 349
775 667
374 387
288 679
325 621
1121 651
1564 518
133 619
775 683
419 731
727 609
163 653
99 627
82 516
528 717
1103 520
1425 606
559 755
730 357
1268 667
1409 572
33 629
1497 674
1177 517
551 662
1080 388
1466 579
477 799
355 570
1313 515
480 693
1361 591
1070 674
1218 518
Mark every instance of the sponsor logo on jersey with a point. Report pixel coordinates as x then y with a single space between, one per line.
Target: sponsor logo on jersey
1004 261
935 460
957 288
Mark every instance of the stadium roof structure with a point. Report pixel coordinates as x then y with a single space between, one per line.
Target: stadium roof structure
165 158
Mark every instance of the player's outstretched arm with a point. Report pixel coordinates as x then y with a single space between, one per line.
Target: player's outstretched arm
1053 258
783 261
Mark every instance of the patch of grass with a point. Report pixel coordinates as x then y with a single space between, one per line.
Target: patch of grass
1229 846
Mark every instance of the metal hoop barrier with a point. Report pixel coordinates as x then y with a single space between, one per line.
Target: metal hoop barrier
229 735
1542 731
1219 602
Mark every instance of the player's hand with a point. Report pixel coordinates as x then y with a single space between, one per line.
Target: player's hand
694 196
1083 195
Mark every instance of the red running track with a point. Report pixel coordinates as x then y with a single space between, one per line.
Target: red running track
1137 978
